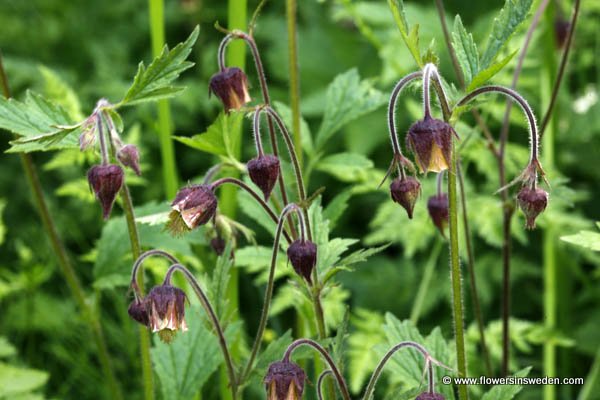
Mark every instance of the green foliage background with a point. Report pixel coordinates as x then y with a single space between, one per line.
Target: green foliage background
351 53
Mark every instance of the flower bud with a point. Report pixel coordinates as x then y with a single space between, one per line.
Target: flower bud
431 142
231 86
430 396
561 31
165 306
88 135
405 192
129 156
438 211
193 206
264 171
218 245
106 181
303 256
137 311
284 381
532 202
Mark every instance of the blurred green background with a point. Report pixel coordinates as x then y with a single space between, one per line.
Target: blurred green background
94 47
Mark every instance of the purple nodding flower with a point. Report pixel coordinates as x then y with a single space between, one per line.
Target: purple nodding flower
264 171
193 206
231 87
431 141
284 381
532 202
165 306
405 192
106 181
438 211
303 256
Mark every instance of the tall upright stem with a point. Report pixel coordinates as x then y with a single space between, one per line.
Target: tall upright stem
213 319
157 36
63 259
456 279
292 32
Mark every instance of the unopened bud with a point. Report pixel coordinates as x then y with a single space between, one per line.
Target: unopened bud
438 211
264 171
106 181
532 202
303 256
405 192
129 156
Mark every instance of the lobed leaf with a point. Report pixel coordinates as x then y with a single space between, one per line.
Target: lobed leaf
466 50
217 138
154 82
409 35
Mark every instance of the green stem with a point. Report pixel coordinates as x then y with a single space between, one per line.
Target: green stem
134 239
236 53
157 32
455 274
64 262
292 31
269 290
425 282
591 381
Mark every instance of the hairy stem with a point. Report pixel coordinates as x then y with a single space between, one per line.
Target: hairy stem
471 267
213 319
157 36
292 36
455 274
269 290
320 382
562 67
63 260
388 355
336 372
256 197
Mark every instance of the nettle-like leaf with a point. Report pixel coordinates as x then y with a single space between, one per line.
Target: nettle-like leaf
217 138
406 366
39 124
155 81
367 334
586 239
505 24
347 99
185 365
410 36
219 282
466 50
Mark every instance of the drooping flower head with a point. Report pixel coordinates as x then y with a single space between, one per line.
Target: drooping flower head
137 311
264 171
284 381
165 306
231 86
193 206
129 156
438 211
405 192
106 181
431 141
303 256
532 202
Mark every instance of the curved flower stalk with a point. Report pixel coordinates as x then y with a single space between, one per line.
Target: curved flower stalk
429 363
320 382
270 283
163 309
237 34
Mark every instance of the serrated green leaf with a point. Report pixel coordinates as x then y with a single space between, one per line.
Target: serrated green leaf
336 207
487 74
510 17
347 167
219 282
361 357
58 91
217 138
15 381
154 83
347 98
506 392
409 35
587 239
39 124
273 352
466 50
361 255
184 365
